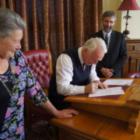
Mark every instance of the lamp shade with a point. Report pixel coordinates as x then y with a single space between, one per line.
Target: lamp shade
129 5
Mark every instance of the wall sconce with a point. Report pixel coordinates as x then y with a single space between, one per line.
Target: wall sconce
128 5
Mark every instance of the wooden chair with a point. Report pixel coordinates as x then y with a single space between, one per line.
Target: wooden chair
134 75
132 64
41 66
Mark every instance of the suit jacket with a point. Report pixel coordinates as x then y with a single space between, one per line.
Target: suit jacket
116 54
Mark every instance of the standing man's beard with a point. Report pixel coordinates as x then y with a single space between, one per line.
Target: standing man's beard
106 29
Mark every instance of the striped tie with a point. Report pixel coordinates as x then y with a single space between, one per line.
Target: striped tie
106 39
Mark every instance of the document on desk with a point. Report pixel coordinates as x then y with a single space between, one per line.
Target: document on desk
107 92
119 82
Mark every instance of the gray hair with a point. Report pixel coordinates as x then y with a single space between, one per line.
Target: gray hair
10 21
92 43
108 14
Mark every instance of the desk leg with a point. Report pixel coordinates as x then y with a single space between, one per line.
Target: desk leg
134 122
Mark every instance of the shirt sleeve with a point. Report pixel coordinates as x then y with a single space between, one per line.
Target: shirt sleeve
33 87
26 79
64 74
93 74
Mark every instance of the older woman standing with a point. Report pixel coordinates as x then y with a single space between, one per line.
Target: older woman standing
16 79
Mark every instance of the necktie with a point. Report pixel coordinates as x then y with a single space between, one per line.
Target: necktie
106 39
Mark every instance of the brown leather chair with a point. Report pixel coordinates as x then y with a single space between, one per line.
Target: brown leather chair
41 66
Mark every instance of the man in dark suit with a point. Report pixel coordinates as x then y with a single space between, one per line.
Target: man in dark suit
112 63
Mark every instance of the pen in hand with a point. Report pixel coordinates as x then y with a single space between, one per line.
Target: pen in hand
91 88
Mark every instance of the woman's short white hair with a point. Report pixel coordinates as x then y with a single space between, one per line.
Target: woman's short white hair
10 21
92 43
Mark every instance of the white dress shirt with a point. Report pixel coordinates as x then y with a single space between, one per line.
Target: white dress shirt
64 74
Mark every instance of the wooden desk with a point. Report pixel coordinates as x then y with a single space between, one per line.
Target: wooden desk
90 126
96 118
117 107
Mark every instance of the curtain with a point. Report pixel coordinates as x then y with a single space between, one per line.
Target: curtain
56 24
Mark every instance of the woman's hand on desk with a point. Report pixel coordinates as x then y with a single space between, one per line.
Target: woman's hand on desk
66 113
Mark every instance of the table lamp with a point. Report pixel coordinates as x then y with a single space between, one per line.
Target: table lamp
128 5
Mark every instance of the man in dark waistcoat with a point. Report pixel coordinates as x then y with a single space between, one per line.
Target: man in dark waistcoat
76 71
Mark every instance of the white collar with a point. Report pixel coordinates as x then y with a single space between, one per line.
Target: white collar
104 33
80 55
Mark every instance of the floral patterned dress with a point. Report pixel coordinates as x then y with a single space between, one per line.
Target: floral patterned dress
23 82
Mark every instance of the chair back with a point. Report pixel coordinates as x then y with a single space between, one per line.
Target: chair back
134 75
41 65
132 64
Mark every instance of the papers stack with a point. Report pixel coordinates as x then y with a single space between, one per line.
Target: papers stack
107 92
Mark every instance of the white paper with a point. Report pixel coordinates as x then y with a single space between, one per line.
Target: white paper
119 82
107 92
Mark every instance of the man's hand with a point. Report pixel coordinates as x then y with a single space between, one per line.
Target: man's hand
108 73
90 88
65 113
102 85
